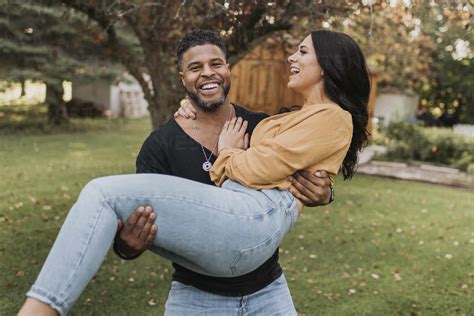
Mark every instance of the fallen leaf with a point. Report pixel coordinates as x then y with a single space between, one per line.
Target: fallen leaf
397 276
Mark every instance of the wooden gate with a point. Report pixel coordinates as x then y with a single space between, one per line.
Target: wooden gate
259 80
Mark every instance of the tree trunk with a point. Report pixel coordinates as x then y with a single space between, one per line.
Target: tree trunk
57 112
165 103
23 92
165 92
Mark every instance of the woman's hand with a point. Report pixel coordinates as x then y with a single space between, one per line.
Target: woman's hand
233 135
186 110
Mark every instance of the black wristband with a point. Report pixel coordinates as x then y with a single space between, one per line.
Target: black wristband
331 197
122 255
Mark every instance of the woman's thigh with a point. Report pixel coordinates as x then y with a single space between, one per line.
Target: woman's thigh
207 226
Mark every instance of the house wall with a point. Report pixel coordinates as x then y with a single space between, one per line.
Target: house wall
396 107
96 91
120 99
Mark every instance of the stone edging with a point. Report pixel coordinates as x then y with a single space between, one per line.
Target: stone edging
421 172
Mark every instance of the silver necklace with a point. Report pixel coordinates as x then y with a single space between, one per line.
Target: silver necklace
207 165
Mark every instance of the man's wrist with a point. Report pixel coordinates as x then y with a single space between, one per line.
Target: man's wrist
123 255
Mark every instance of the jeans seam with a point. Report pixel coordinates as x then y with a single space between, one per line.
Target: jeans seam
239 253
196 202
71 277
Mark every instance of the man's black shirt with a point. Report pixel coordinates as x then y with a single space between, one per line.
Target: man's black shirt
169 150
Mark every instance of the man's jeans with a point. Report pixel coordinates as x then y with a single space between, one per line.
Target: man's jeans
222 232
274 299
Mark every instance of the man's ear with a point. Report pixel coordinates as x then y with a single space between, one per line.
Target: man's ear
181 76
228 66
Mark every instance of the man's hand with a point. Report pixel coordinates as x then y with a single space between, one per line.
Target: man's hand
137 234
313 189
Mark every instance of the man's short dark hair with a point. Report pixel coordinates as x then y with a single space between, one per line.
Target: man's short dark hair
198 38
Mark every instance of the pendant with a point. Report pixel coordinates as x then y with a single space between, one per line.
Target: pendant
206 166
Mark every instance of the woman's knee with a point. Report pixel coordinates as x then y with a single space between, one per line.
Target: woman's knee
94 188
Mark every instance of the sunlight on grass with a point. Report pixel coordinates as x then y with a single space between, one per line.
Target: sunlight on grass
35 92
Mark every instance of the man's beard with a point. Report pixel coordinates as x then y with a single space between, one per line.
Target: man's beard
210 106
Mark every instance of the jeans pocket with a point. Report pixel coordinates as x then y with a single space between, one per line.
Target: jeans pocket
250 258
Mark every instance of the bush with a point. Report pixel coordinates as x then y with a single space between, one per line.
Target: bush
436 145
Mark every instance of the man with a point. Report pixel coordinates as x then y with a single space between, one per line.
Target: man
187 148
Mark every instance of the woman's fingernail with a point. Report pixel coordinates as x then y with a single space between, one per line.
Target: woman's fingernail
317 174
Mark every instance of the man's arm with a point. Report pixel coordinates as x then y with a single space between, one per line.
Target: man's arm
137 234
313 189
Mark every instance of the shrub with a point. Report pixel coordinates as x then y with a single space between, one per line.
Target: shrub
436 145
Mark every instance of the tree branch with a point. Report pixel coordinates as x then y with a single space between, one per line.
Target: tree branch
117 49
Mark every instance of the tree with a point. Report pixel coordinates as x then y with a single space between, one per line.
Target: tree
43 44
420 47
158 26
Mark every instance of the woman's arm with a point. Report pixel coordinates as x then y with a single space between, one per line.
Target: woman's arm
322 139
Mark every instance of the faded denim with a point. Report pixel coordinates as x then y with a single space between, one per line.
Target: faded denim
221 232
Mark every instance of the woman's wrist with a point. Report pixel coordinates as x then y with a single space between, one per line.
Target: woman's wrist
222 149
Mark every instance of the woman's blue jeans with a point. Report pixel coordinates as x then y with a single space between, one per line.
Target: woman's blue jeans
222 232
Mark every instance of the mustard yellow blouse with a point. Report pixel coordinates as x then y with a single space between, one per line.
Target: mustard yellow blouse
317 137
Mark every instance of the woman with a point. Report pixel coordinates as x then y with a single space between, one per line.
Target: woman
235 228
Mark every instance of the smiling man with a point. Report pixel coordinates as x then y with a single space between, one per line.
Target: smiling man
187 148
207 83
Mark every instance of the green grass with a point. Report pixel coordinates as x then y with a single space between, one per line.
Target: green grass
384 247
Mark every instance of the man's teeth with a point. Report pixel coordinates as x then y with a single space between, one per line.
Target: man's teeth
209 86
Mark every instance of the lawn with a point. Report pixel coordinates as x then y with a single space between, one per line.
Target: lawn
384 247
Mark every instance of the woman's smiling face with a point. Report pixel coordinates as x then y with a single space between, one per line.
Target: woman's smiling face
306 73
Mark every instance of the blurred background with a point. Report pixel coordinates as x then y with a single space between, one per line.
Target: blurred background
82 83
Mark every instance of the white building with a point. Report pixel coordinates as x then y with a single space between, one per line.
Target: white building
124 97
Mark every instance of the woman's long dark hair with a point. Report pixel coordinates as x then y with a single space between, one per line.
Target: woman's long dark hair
347 83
